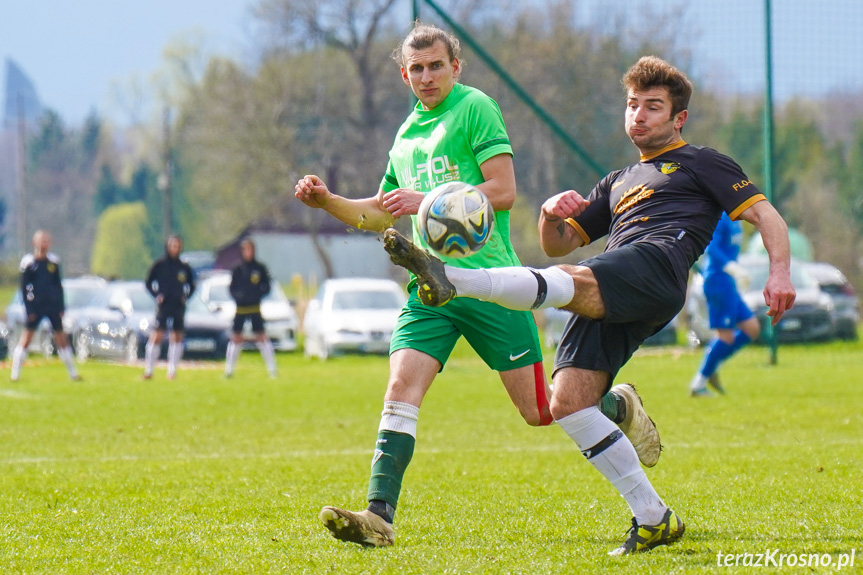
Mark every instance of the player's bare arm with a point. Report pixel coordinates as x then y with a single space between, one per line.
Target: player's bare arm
557 237
366 213
779 293
499 184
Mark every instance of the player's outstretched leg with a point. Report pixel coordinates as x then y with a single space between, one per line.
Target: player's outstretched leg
433 287
645 537
638 427
363 527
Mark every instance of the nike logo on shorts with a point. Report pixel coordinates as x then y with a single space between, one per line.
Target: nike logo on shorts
519 356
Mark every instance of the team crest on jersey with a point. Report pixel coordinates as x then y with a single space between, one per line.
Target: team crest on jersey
181 277
51 267
255 278
669 167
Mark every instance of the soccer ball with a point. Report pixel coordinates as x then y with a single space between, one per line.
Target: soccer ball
455 219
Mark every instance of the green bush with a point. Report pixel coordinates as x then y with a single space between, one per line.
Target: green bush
119 248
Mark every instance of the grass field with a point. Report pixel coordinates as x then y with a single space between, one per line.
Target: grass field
206 475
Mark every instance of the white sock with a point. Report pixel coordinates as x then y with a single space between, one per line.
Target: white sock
514 287
231 357
399 417
269 355
172 363
150 351
698 382
65 354
18 357
175 354
618 462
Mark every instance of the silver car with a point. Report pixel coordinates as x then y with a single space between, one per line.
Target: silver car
77 291
846 304
352 315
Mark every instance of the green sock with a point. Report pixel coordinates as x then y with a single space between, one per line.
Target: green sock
613 407
393 453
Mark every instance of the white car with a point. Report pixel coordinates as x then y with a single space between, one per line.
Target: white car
280 318
352 315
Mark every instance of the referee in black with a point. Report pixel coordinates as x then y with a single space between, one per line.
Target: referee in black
43 298
171 282
250 282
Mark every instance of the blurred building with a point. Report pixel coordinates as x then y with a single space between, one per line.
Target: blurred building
21 110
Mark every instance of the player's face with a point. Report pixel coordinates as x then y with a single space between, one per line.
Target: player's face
174 247
649 123
248 252
430 73
41 243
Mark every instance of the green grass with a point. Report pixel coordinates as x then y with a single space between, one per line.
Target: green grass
206 475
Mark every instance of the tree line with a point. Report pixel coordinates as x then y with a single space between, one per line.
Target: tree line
323 96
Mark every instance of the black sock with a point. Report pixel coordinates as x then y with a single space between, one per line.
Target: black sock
383 509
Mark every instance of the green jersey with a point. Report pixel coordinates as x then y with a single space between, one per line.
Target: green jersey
449 143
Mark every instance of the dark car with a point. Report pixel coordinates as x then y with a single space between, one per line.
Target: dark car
117 324
811 318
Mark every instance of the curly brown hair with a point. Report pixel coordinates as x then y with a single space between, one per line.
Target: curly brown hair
653 72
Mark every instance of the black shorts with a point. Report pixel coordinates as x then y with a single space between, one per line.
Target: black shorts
641 292
256 319
171 316
39 315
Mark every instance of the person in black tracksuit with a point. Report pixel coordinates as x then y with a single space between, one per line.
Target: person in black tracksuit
43 297
171 281
250 282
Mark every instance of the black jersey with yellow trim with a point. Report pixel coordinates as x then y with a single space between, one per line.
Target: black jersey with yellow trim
672 199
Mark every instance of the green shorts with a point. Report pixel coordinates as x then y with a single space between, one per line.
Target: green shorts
503 338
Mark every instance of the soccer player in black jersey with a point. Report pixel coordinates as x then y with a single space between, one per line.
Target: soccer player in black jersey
250 282
659 215
42 291
171 282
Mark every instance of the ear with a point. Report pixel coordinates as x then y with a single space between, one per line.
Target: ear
405 78
456 68
681 119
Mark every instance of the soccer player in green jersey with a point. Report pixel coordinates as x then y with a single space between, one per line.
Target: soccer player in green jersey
455 133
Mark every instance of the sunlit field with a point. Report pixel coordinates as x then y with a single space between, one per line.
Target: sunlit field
207 475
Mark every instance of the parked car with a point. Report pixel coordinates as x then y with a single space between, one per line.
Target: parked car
117 324
352 315
555 321
811 318
846 304
77 291
280 318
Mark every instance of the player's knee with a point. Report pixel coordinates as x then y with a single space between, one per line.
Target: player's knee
532 416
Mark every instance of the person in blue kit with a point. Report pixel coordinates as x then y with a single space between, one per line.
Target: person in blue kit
734 322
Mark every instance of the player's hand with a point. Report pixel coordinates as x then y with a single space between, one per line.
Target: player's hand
402 202
779 295
312 191
159 299
564 205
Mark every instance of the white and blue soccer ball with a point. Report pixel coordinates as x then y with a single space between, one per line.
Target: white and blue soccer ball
455 219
